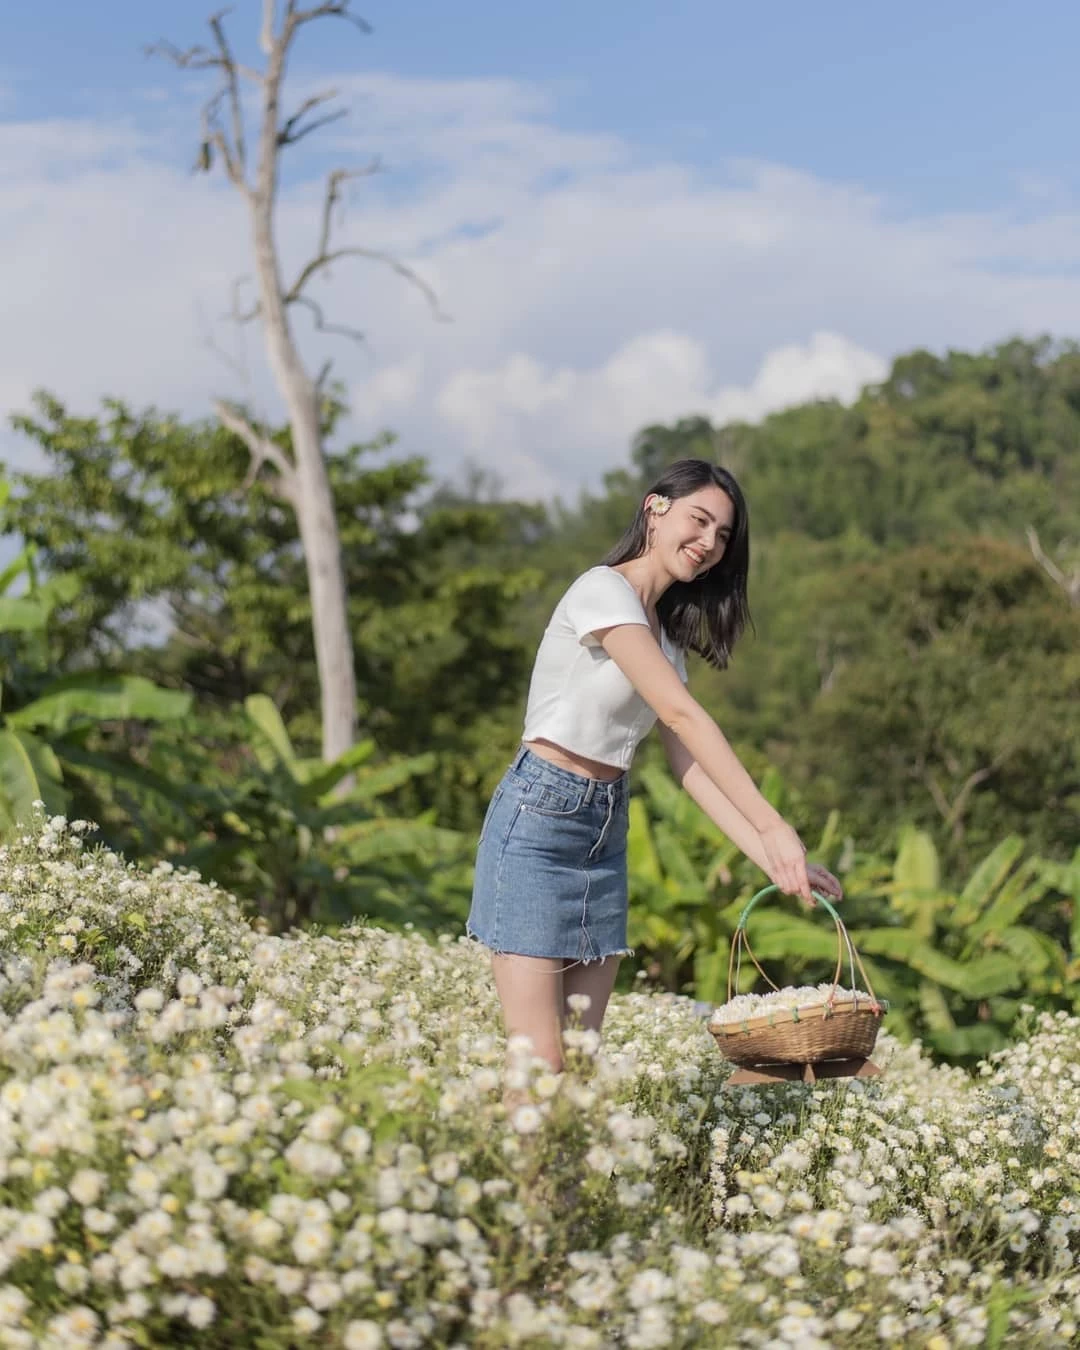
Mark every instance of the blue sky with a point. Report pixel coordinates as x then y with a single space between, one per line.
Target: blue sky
631 211
939 105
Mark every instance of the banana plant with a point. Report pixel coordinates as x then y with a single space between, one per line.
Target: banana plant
688 886
954 964
979 952
1064 878
234 800
44 723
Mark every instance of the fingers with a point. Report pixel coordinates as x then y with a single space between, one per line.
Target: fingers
823 881
793 879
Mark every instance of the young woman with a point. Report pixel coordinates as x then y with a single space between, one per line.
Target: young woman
550 894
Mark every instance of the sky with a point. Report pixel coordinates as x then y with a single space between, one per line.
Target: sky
628 212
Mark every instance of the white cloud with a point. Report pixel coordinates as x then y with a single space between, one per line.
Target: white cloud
548 419
591 290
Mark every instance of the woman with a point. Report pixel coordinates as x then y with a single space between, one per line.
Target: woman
550 893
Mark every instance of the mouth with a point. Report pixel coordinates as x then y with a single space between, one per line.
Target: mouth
696 557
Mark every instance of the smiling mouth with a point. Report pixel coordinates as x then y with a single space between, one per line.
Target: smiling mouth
695 557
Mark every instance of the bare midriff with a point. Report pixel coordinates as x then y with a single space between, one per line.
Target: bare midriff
580 764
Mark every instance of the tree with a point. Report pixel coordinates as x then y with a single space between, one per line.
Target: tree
298 472
954 700
48 722
144 511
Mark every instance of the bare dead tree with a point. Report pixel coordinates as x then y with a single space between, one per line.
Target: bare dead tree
299 478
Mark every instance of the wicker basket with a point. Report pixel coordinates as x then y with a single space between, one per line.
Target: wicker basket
844 1027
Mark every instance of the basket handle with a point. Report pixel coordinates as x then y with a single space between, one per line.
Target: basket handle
842 941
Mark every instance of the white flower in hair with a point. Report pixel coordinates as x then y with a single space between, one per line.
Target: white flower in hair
661 506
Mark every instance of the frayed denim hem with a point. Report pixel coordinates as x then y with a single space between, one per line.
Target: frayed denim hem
573 958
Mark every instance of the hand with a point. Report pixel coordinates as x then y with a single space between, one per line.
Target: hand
821 879
786 856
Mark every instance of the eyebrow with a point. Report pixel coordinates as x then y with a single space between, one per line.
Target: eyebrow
706 512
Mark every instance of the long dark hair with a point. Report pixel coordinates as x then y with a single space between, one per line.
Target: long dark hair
708 614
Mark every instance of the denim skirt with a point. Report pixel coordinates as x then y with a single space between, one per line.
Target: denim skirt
551 864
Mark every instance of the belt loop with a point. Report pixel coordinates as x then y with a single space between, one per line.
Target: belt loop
519 758
589 792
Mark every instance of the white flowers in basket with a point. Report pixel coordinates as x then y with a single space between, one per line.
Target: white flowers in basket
743 1007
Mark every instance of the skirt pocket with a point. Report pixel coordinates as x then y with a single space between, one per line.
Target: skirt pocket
547 799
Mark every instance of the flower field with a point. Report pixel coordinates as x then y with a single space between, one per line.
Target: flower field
210 1136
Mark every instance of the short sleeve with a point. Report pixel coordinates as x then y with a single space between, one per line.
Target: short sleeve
602 598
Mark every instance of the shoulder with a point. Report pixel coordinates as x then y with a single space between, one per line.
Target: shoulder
600 598
603 583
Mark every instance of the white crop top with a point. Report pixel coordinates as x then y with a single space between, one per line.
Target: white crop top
578 697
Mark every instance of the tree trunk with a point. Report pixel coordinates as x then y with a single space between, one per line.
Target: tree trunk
303 480
314 502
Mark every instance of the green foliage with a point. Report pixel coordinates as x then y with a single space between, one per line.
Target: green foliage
45 721
230 796
914 675
955 965
191 575
911 661
689 885
227 794
956 675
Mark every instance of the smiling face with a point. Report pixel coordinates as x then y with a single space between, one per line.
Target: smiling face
690 535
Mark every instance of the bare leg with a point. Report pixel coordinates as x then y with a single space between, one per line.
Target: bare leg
530 989
597 979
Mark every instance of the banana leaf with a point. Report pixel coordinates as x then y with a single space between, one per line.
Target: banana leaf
985 880
994 973
374 783
1026 886
29 772
641 860
272 746
101 697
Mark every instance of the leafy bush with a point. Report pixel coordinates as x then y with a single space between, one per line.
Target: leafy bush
955 964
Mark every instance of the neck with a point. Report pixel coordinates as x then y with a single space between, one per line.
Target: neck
648 578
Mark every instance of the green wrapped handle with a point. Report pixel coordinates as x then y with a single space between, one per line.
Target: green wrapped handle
768 890
842 940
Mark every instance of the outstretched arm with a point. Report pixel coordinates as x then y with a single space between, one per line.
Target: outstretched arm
637 654
728 818
717 806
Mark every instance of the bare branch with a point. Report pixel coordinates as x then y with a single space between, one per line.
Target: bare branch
233 363
232 84
237 314
263 451
322 326
333 196
214 138
290 133
233 151
331 8
326 255
374 255
314 126
197 58
1070 585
